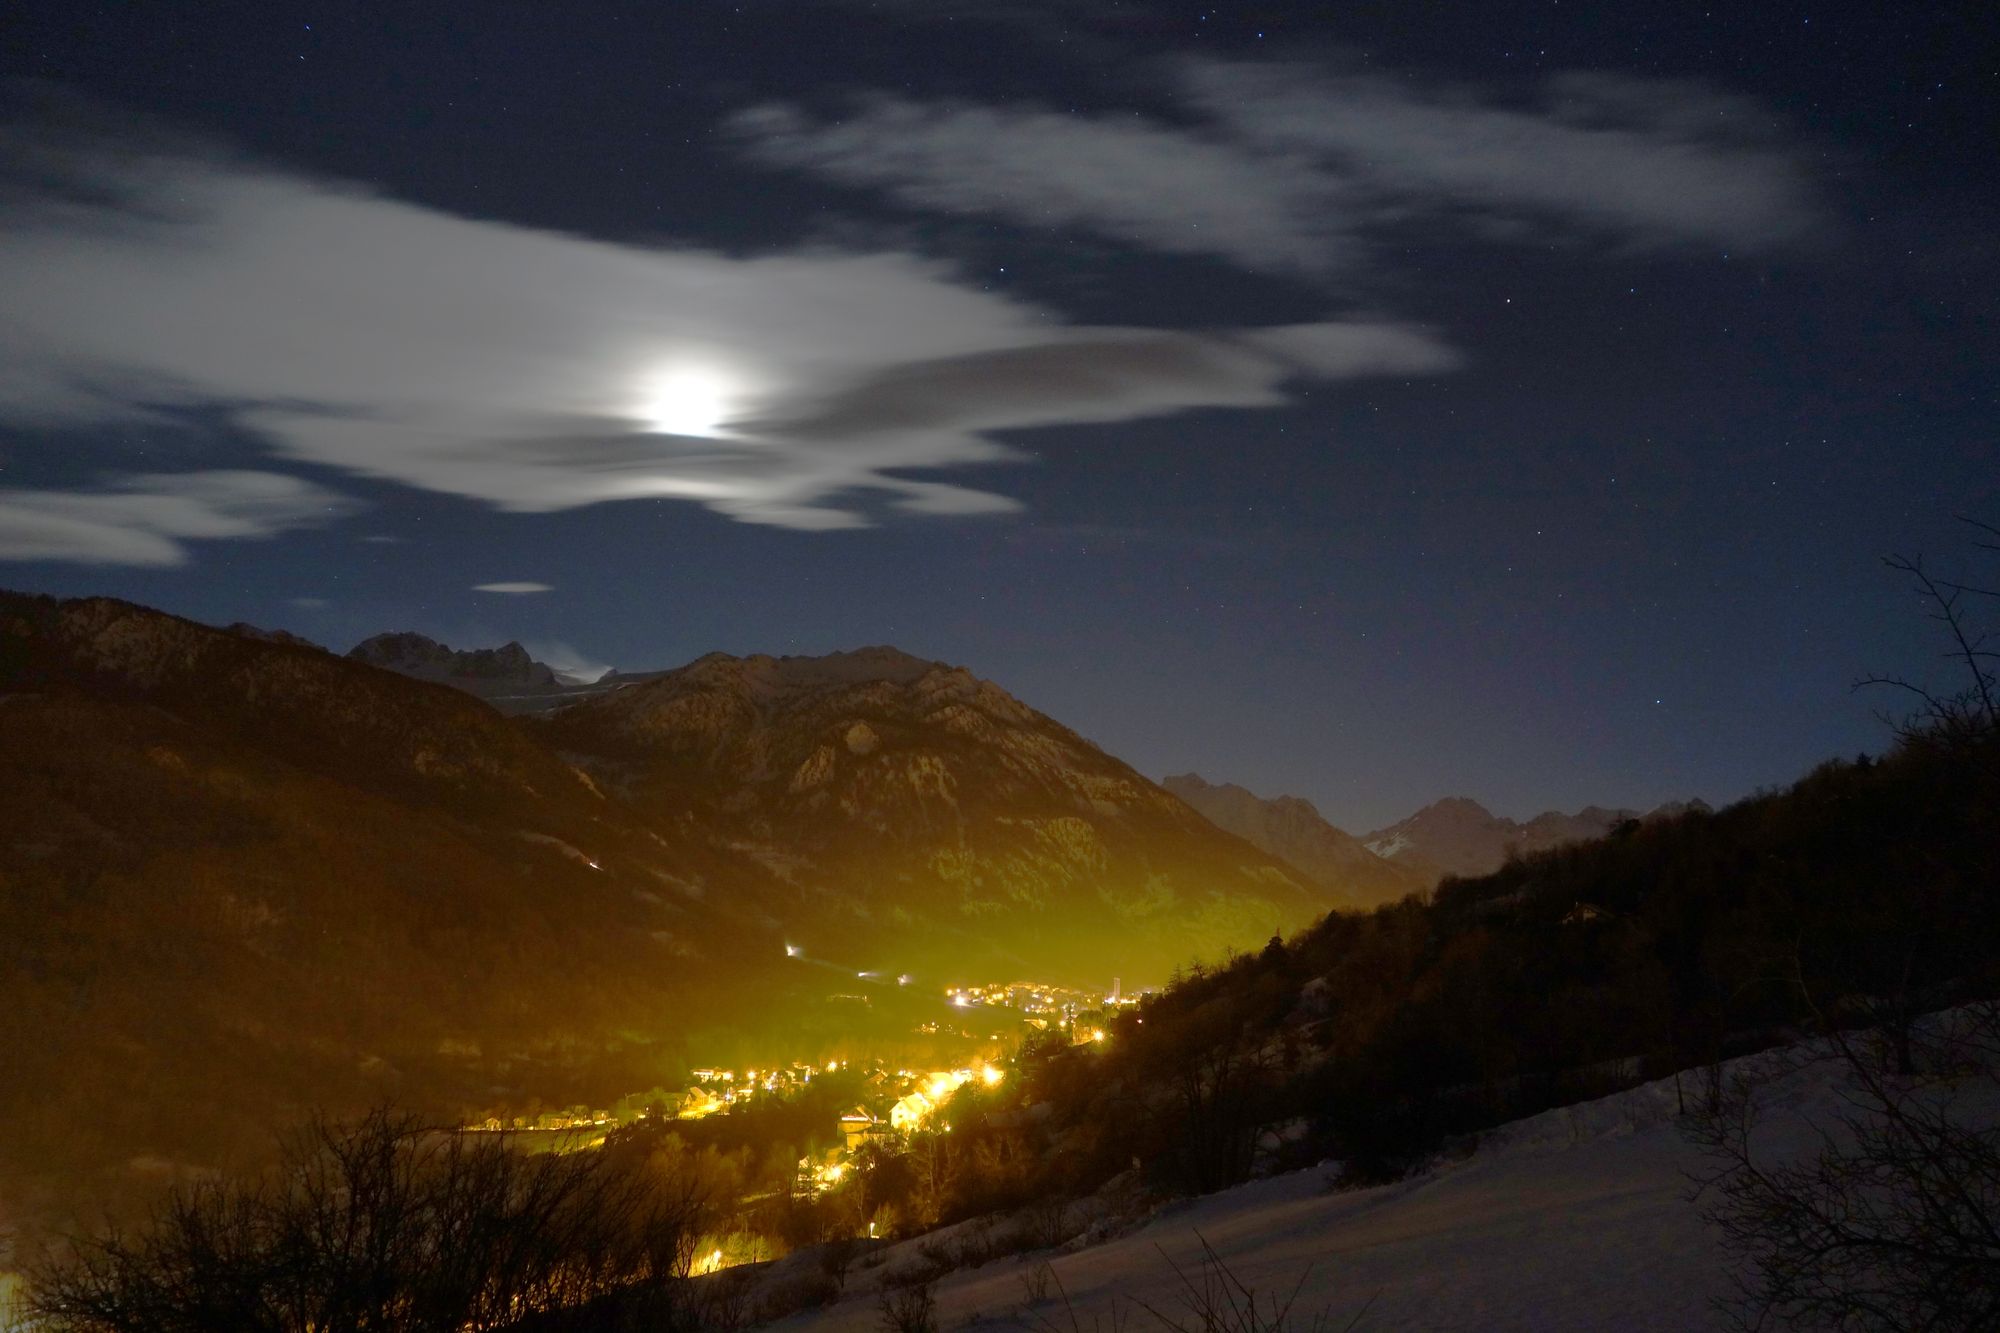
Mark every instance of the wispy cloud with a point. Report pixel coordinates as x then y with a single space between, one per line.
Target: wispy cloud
513 587
1284 166
148 519
535 371
1651 161
1128 177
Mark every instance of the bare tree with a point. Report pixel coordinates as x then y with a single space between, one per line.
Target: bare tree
388 1225
1968 713
1893 1220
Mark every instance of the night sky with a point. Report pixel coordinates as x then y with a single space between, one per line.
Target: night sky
1372 402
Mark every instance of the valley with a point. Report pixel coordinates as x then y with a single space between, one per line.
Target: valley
846 949
1079 667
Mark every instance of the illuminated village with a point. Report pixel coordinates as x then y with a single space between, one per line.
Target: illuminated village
894 1099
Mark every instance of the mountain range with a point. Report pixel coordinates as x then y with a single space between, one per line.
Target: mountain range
1458 836
506 677
1454 836
1292 829
253 877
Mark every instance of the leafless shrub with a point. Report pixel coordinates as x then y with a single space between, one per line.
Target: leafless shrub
722 1301
836 1260
1893 1221
1039 1321
1969 714
909 1309
1049 1222
1214 1299
381 1224
804 1291
1035 1281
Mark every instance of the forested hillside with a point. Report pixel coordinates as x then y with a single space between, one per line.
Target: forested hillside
1865 893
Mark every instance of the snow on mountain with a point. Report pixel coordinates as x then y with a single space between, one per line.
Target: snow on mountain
1292 829
477 670
1459 836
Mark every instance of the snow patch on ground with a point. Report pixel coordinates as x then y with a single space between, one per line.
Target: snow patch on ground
1578 1218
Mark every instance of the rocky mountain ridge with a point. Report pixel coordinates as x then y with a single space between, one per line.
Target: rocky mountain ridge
1293 830
701 706
507 677
955 802
475 670
1459 836
1453 836
254 877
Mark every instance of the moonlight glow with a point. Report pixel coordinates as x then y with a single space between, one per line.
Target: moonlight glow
688 400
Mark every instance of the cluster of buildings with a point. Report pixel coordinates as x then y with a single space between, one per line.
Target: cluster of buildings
573 1119
715 1090
893 1101
1045 1006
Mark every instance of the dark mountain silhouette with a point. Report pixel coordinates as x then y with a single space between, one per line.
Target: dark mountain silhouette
241 878
482 671
271 635
244 878
1292 829
1459 836
914 797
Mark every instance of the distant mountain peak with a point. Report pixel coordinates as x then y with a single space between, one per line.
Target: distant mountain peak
856 666
479 670
1459 836
248 631
1461 809
1292 829
888 787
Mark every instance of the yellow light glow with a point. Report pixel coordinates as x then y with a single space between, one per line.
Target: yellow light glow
991 1076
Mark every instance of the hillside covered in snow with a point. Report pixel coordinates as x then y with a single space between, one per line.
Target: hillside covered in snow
1585 1217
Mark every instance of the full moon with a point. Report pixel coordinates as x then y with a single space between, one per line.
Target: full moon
687 401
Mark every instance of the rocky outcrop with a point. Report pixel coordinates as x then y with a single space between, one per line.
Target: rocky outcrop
483 671
914 788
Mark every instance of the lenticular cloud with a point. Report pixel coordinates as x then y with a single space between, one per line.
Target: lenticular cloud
536 371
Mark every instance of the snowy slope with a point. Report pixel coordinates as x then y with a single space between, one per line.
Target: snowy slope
1579 1218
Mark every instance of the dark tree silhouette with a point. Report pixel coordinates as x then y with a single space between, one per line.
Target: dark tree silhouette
386 1224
